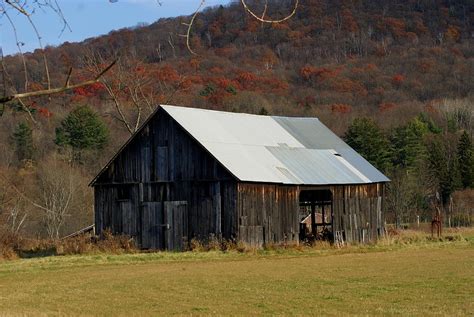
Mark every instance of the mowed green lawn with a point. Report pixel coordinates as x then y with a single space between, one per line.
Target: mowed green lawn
429 279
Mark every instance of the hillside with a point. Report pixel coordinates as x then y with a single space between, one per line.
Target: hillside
336 60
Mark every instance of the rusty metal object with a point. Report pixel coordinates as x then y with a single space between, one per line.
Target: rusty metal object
436 223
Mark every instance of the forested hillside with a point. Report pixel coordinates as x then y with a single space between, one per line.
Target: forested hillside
395 78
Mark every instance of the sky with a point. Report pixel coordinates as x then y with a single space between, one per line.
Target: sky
89 18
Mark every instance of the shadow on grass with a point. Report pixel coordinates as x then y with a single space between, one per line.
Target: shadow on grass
31 254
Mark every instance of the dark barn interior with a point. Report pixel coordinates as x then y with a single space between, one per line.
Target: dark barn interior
191 173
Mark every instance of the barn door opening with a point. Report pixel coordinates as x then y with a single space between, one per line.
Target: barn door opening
316 215
176 225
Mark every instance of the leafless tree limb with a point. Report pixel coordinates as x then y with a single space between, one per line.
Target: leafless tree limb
56 194
125 87
264 11
27 110
15 216
190 25
18 7
170 42
118 107
57 90
40 43
60 14
27 9
4 73
68 77
18 45
262 19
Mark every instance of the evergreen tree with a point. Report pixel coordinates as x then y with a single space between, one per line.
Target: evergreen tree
408 146
466 160
263 111
23 138
365 136
444 167
429 124
82 129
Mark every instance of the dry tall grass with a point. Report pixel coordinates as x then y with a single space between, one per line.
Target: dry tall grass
14 246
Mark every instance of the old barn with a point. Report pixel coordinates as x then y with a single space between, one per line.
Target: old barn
193 173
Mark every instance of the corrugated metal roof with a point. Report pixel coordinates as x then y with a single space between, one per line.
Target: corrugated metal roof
311 133
231 128
276 149
249 162
362 165
316 167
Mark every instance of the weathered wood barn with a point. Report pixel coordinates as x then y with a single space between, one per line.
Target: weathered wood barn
193 173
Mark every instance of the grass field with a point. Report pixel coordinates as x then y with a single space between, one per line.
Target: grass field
420 279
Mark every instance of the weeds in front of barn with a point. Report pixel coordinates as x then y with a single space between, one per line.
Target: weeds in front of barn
14 246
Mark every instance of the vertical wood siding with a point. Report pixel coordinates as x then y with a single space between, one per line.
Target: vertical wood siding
358 211
267 213
161 166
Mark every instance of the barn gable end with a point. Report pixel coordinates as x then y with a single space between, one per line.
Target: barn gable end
160 166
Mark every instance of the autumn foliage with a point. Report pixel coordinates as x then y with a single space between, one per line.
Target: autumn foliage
335 60
341 108
398 79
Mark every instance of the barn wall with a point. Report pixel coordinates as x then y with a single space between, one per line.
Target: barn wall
211 207
358 211
115 211
164 164
267 213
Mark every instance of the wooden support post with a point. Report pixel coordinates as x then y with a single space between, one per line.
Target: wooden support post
314 230
323 217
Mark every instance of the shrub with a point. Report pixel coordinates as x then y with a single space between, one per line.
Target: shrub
8 245
82 244
116 244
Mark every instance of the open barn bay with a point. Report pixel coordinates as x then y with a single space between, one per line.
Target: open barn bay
428 279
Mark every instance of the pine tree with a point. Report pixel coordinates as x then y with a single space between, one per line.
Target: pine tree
263 111
409 149
23 138
365 136
82 129
444 166
466 160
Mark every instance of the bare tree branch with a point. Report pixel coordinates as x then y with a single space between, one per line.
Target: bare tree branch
246 7
18 45
51 91
27 9
190 25
17 7
262 19
27 109
68 77
264 11
24 196
40 43
170 42
15 216
60 14
4 73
